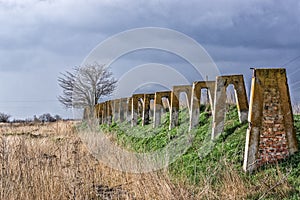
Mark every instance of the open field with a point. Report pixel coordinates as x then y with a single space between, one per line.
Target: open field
49 161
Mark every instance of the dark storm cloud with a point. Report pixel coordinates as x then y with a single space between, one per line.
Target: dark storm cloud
58 34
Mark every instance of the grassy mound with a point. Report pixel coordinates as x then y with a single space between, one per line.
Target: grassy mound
214 168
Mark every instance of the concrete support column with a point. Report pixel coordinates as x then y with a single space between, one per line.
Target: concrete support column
129 110
98 112
195 106
102 114
219 111
271 135
174 111
219 108
157 110
242 101
146 110
109 112
123 109
116 110
134 110
158 106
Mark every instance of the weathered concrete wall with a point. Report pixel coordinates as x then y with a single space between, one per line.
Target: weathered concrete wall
271 135
129 109
99 112
122 109
158 106
174 110
109 112
116 109
196 99
134 108
222 82
103 111
146 108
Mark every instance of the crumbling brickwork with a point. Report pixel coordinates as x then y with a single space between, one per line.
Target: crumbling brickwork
273 138
271 135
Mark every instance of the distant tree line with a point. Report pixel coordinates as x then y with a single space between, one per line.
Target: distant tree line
47 117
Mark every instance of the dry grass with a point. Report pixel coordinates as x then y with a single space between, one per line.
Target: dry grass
49 161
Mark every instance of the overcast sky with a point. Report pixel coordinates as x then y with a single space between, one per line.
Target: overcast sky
40 39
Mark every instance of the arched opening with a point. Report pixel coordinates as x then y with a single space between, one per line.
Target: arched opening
231 103
183 100
184 107
151 112
140 108
230 95
166 104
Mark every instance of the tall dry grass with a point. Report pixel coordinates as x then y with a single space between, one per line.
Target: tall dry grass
49 161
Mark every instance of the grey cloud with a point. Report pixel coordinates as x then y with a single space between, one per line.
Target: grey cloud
58 34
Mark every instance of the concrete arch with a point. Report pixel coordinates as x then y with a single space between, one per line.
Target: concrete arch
187 89
196 99
158 106
222 82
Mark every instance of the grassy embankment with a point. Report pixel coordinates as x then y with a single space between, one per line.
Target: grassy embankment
50 161
214 170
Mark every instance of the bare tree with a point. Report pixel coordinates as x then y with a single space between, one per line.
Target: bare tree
83 87
4 117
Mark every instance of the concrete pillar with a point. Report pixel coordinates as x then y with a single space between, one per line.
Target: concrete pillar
271 135
174 111
196 99
129 110
116 110
101 114
98 112
219 112
122 109
104 118
158 106
109 112
146 109
134 108
241 100
219 108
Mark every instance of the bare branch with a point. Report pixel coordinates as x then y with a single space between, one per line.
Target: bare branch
85 86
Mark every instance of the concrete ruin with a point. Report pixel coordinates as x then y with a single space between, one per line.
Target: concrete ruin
158 106
196 100
134 108
271 135
122 109
174 108
108 113
146 108
222 82
116 109
99 112
129 109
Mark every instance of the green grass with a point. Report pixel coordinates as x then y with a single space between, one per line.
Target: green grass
207 162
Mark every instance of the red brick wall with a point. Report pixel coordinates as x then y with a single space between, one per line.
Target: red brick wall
273 138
